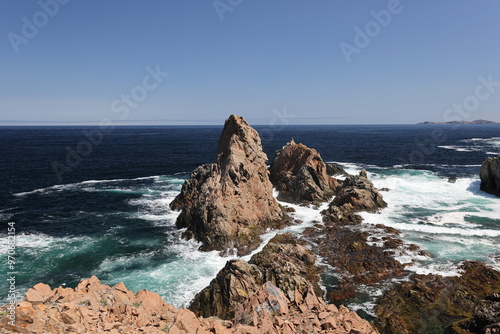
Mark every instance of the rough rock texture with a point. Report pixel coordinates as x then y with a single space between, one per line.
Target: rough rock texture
334 170
358 191
91 308
270 311
344 243
437 304
486 318
299 174
284 261
228 204
490 176
96 308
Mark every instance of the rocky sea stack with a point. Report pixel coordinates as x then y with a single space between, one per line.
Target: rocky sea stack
300 175
490 176
228 204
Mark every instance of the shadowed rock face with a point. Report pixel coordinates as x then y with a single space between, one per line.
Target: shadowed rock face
228 204
490 176
300 175
284 261
437 304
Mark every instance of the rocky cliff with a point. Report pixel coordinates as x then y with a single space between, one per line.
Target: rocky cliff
228 204
93 308
490 176
300 175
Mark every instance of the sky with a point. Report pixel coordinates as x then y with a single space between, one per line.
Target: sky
280 61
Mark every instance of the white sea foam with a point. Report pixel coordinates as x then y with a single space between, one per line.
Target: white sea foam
70 186
35 243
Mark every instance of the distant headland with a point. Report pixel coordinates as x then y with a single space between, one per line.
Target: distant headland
477 121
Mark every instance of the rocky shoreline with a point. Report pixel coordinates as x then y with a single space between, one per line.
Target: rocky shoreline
227 206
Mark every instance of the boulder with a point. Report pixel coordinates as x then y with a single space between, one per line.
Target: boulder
300 175
285 261
228 204
359 191
490 176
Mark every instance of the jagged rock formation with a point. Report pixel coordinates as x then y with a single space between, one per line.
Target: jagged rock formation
272 312
228 204
299 174
490 176
334 170
93 308
284 261
359 191
437 304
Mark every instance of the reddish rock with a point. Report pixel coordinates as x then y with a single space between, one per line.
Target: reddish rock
268 310
284 261
228 204
300 175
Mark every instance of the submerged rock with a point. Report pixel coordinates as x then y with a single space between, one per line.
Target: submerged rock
300 175
284 261
437 304
228 204
490 176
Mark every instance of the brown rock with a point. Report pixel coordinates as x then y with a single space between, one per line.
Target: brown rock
230 203
187 321
300 175
284 261
39 293
490 176
432 303
358 191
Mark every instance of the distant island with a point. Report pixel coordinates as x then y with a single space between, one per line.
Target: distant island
477 121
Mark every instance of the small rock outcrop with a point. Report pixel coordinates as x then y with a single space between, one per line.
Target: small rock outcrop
93 308
228 204
334 170
300 175
490 176
284 261
437 304
359 191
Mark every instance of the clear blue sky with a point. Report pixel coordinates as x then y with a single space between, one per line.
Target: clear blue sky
263 56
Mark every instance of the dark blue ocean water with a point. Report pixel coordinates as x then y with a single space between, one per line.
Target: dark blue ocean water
84 204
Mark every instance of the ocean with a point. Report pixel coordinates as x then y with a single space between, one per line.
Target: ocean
85 201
